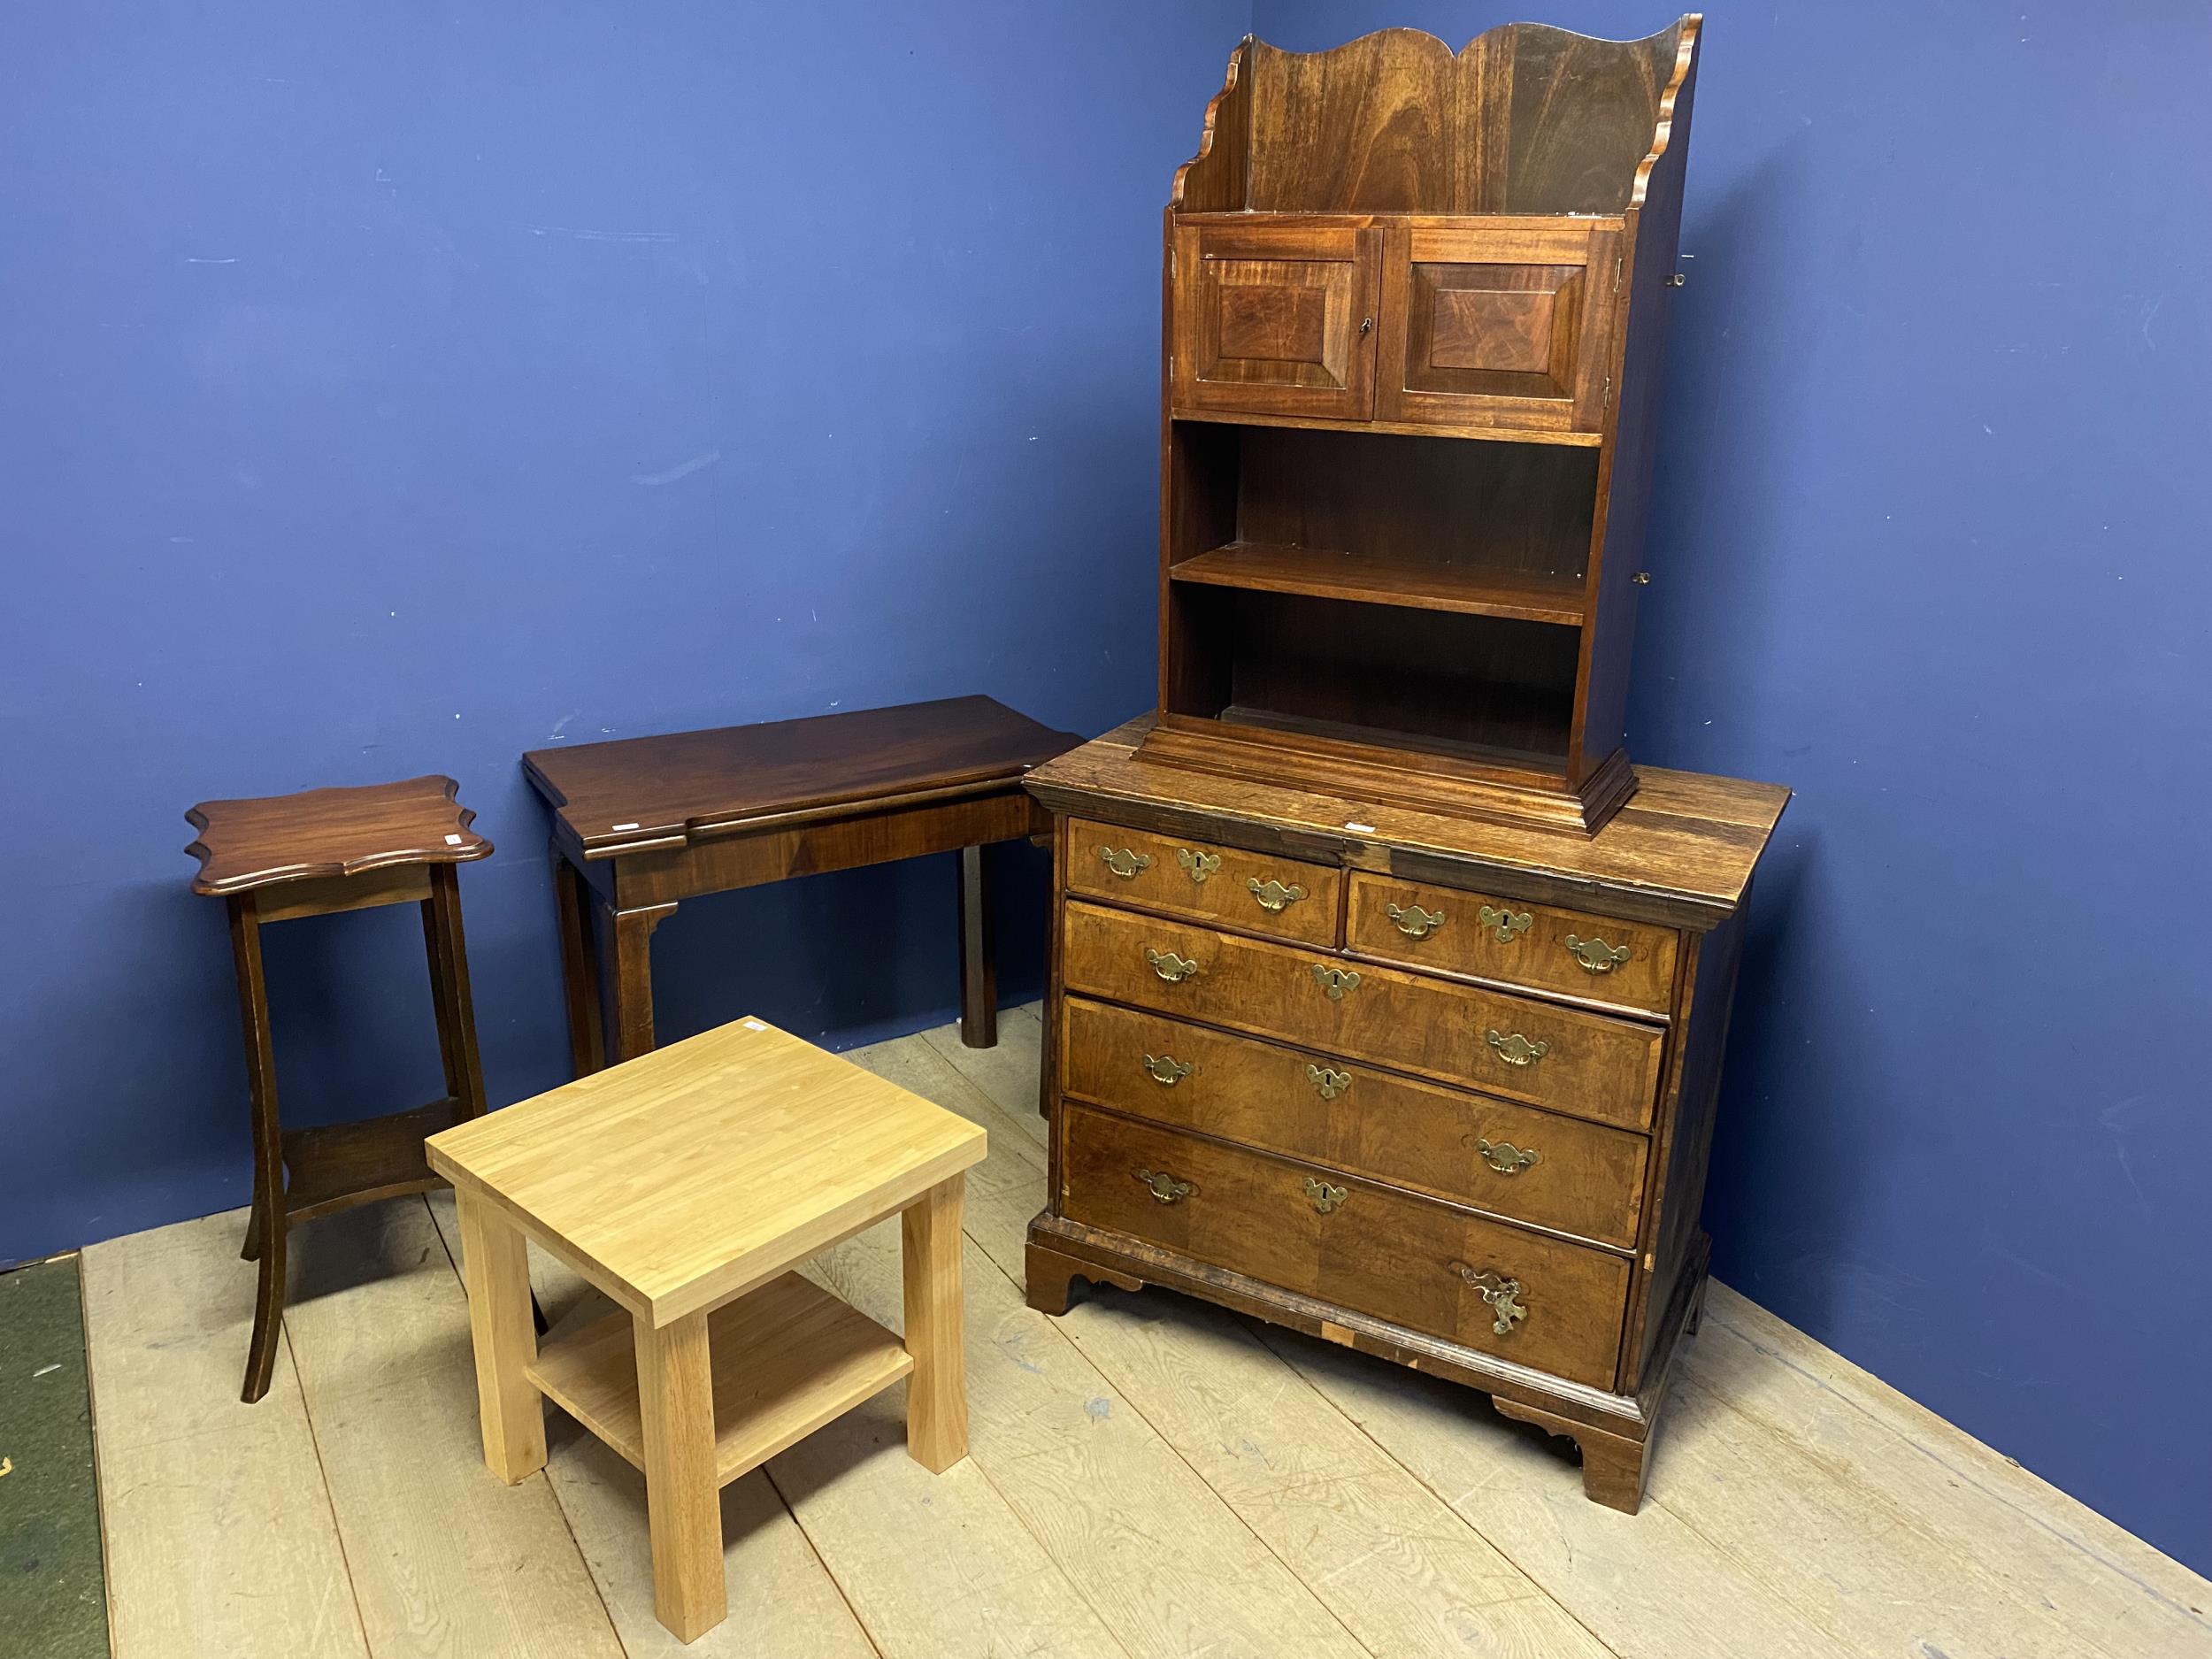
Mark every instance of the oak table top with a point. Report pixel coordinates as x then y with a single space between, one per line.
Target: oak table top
639 792
686 1176
337 832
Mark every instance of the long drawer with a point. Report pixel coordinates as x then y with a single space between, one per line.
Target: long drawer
1539 1301
1624 964
1282 898
1585 1064
1513 1161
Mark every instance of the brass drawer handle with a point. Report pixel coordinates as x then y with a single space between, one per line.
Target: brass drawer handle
1509 923
1335 982
1506 1159
1272 895
1329 1083
1518 1050
1170 967
1197 865
1165 1188
1324 1196
1126 862
1413 921
1502 1294
1595 955
1166 1069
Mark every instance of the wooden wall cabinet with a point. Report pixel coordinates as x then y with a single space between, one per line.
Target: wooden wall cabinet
1416 312
1387 1000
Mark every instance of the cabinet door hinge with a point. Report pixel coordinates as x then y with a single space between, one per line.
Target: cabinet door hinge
1605 401
1616 272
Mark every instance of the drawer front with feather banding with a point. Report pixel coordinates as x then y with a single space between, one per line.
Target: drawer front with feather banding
1538 1053
1323 1232
1511 1161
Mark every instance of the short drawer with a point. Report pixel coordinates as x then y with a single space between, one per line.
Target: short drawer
1512 1161
1280 897
1627 964
1585 1064
1541 1302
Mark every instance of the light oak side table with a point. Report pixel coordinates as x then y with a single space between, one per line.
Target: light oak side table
686 1184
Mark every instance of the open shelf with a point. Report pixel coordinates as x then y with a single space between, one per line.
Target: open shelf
787 1358
329 1167
1463 432
1411 582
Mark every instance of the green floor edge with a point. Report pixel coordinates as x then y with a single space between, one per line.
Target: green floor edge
53 1594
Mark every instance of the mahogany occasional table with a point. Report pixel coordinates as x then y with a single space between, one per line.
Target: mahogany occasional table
316 854
642 823
686 1185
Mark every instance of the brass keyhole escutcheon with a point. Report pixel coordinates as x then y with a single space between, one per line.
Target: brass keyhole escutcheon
1414 922
1272 895
1166 1069
1506 1159
1595 955
1510 924
1125 862
1335 982
1164 1187
1518 1050
1169 966
1325 1197
1502 1294
1197 865
1328 1082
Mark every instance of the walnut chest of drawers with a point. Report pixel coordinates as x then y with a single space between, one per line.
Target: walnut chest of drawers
1437 1089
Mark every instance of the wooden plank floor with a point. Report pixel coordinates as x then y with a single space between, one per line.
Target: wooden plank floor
1148 1475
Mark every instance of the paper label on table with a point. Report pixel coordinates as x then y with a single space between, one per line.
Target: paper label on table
754 1024
623 826
1362 829
453 840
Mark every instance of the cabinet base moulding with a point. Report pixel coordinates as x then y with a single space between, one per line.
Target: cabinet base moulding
1426 781
1614 1432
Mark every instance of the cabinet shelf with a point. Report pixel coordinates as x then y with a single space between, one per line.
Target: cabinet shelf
1469 431
1382 579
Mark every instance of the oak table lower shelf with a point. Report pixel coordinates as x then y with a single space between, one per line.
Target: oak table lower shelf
787 1358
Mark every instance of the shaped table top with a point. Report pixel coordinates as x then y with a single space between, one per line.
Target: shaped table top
337 832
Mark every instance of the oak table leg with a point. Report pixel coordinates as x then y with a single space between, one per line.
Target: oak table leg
265 1232
978 956
633 936
937 1390
579 967
682 1497
495 1264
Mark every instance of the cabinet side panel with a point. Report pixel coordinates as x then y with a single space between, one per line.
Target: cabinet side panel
1625 484
1685 1142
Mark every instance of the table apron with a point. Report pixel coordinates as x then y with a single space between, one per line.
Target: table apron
743 859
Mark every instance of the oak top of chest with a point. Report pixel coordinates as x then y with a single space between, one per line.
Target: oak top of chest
1685 845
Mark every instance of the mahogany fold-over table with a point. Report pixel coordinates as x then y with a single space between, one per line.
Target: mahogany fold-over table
643 823
686 1185
316 854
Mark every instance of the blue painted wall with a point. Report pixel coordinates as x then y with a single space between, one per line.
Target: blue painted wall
392 389
1930 546
383 392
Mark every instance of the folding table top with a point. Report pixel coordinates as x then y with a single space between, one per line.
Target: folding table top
660 790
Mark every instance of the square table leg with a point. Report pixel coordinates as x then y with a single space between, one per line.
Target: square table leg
579 966
978 956
496 1263
937 1389
683 1504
